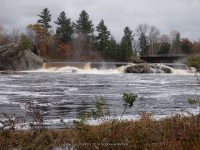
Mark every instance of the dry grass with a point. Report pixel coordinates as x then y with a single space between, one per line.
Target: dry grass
180 133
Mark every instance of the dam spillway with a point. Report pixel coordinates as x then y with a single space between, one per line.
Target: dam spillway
105 65
85 65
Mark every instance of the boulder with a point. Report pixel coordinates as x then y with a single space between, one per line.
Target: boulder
139 68
13 58
147 68
166 69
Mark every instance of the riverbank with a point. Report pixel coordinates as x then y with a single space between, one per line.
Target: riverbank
194 61
177 132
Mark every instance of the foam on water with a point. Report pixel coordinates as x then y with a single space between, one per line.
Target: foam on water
189 112
119 70
66 95
181 72
176 68
88 70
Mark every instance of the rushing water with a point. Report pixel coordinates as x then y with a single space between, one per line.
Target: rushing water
65 93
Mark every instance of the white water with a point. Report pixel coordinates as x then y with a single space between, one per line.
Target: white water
87 69
65 92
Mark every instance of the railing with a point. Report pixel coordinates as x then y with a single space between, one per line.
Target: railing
167 55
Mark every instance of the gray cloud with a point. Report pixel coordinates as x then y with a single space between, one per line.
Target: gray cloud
181 15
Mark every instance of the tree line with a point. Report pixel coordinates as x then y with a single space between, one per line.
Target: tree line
83 41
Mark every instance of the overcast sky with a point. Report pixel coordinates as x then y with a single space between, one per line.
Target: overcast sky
181 15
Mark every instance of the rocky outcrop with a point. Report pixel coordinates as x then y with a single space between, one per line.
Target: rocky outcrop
12 58
147 68
140 68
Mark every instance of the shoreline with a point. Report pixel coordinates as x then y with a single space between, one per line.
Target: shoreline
176 131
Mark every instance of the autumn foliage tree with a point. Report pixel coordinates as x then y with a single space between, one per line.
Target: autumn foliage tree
1 36
196 48
186 46
4 39
38 38
64 51
80 41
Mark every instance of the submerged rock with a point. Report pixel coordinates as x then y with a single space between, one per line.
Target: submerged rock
13 58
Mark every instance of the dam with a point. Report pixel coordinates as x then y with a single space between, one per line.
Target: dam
84 65
107 65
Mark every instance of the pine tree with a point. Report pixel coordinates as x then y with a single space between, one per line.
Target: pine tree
113 49
45 19
102 39
126 45
84 24
128 37
64 30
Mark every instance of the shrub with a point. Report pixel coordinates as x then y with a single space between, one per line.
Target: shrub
24 42
194 61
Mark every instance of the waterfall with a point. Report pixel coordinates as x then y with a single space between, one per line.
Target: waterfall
111 67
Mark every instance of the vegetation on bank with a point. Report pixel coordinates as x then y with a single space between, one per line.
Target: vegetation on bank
176 132
81 40
194 61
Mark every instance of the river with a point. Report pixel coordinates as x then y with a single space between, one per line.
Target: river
66 93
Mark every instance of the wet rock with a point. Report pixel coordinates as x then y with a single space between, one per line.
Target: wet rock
160 68
147 68
139 68
12 58
166 69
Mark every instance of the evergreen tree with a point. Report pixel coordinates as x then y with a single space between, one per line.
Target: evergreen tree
143 44
102 39
64 30
45 19
126 50
128 37
113 49
84 24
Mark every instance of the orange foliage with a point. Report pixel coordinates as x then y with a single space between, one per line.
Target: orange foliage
37 29
196 48
64 51
40 38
